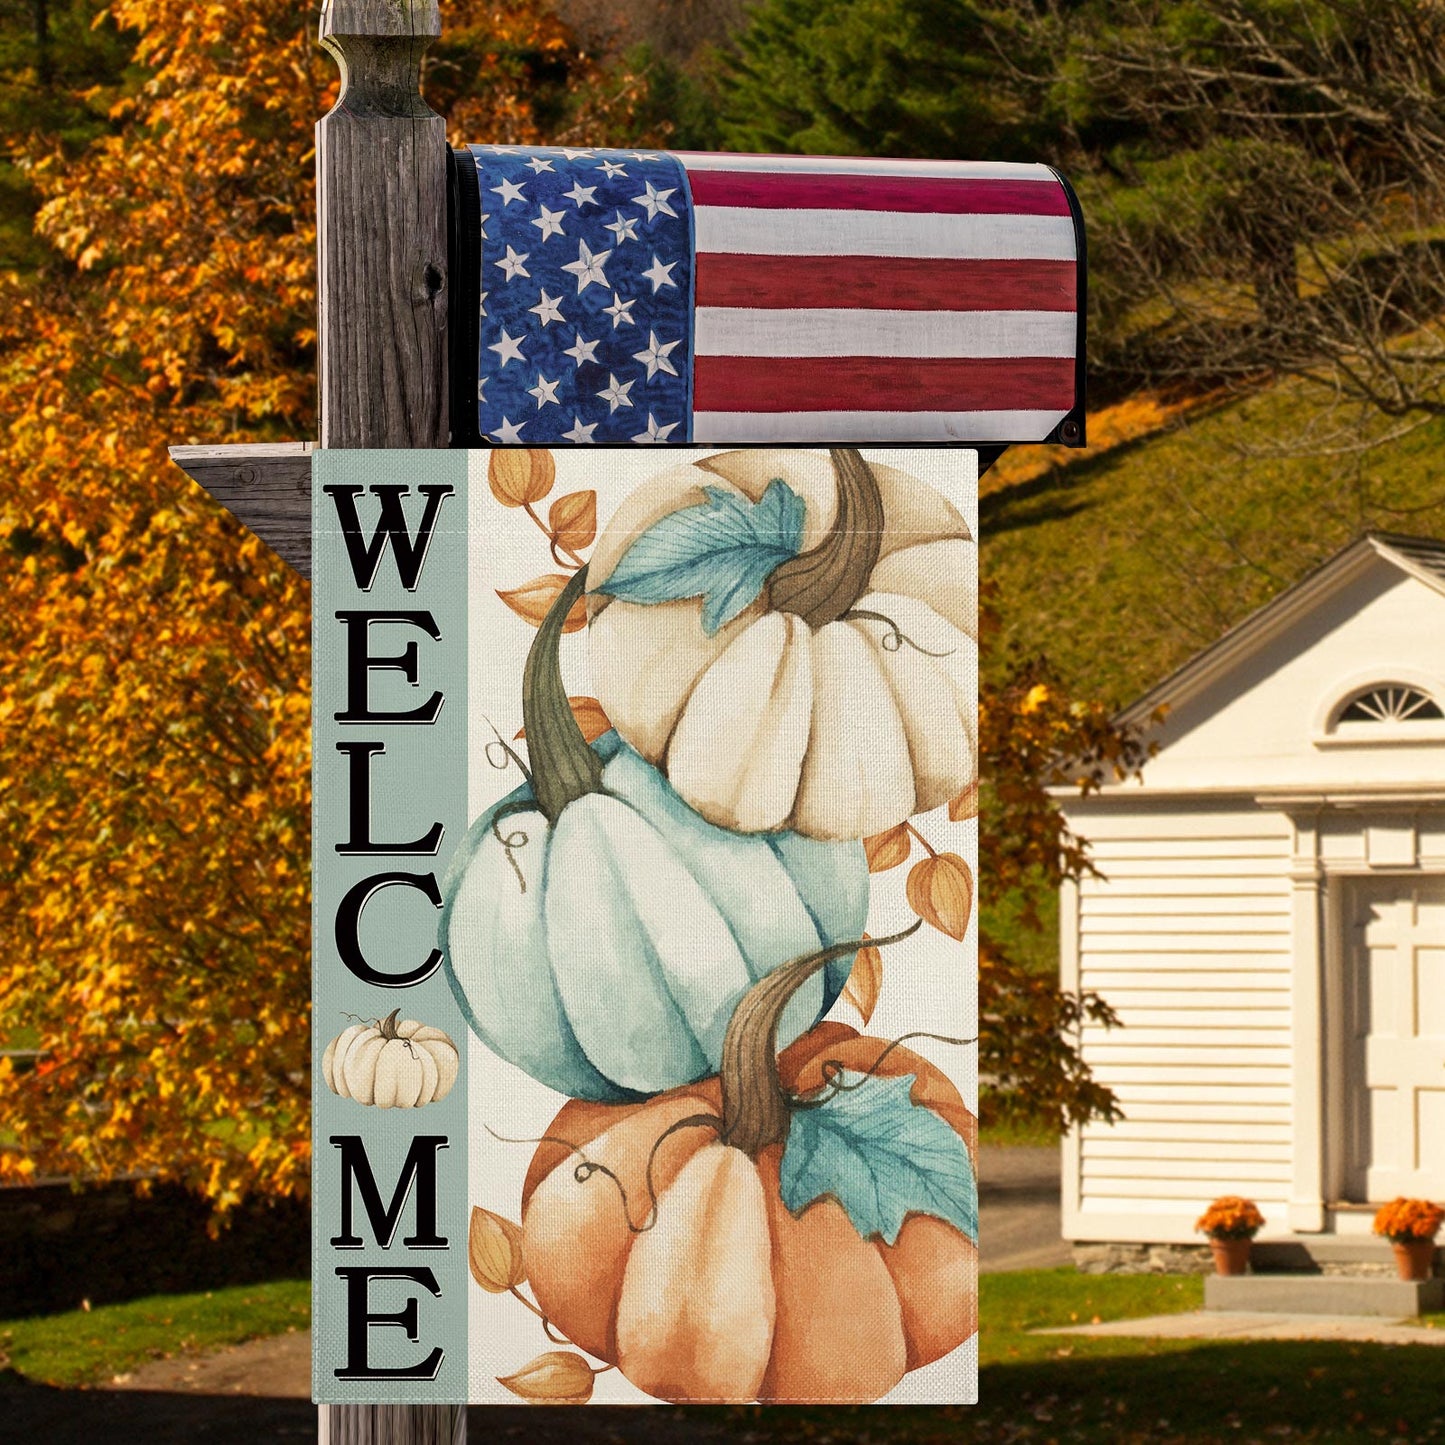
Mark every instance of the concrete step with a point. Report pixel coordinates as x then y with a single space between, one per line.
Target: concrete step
1303 1294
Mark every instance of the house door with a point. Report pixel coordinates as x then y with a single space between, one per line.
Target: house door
1395 1029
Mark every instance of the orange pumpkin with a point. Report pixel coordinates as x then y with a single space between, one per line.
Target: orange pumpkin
721 1293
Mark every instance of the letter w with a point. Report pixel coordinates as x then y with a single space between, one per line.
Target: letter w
365 556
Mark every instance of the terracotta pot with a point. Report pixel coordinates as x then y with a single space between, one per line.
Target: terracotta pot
1231 1256
1414 1257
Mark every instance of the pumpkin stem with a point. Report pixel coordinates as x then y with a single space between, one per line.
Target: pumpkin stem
756 1106
388 1024
822 584
564 768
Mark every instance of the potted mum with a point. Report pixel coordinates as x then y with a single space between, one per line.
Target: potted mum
1411 1225
1231 1223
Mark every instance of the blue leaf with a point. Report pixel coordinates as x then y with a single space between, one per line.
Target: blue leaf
722 550
882 1157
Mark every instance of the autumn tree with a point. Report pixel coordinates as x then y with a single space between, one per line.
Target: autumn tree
154 709
1037 741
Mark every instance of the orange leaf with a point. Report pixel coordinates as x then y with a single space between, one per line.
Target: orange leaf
494 1251
888 850
533 600
521 475
590 718
865 982
555 1378
573 520
965 805
940 892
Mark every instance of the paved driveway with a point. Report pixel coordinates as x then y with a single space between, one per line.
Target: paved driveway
1018 1199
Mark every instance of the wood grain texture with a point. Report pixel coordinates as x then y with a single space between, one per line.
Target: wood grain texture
381 233
266 487
393 1425
381 17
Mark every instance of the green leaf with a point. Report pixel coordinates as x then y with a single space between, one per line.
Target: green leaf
882 1157
722 550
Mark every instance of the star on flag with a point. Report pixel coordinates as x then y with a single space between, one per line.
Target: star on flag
513 265
509 192
588 266
655 357
548 309
545 391
654 432
654 201
549 223
618 311
615 393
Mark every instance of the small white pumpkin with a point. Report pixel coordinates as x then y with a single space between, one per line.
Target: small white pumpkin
841 700
391 1065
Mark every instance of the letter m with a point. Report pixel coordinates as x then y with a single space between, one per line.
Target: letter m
364 555
419 1170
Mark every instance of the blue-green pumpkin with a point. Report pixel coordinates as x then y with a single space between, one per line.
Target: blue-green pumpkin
598 933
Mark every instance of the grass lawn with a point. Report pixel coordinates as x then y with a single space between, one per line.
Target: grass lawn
89 1346
1065 1389
1123 564
1033 1387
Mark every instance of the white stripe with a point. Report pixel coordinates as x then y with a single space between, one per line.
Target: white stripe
852 166
968 427
744 230
744 331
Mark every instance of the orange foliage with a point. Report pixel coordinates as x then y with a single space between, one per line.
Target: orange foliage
1231 1217
1129 420
1403 1220
154 673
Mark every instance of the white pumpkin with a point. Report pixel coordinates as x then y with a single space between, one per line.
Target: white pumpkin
391 1065
843 699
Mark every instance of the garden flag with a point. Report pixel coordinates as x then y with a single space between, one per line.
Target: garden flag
645 296
645 954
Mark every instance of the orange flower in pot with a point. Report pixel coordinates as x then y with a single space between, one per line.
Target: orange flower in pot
1411 1226
800 1228
1231 1224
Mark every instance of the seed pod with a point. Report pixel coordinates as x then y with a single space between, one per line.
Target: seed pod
940 892
521 476
573 520
533 600
865 981
888 849
556 1378
494 1250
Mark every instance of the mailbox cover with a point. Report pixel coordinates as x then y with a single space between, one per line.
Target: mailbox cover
645 1007
649 296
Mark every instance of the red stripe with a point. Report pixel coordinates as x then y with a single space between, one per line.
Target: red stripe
923 195
874 383
885 283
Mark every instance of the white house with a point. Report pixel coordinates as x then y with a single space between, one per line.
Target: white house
1270 923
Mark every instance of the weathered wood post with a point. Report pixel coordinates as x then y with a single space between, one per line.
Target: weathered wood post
381 341
381 232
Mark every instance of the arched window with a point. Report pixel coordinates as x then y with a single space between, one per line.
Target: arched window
1390 702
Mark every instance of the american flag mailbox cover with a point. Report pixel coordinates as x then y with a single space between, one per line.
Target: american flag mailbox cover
647 296
645 838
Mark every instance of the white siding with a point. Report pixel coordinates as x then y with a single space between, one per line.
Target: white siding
1188 937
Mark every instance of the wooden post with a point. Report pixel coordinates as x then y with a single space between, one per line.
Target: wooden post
381 292
381 223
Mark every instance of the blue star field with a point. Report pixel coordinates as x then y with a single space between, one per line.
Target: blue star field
586 296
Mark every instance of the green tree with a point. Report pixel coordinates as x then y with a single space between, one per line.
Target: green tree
869 77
